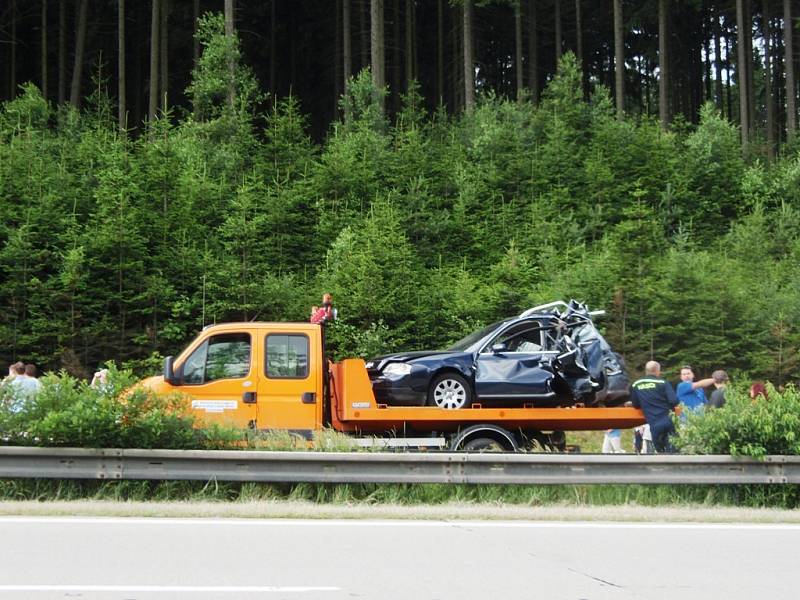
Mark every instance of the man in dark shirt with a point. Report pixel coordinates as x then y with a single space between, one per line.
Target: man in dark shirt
717 399
657 400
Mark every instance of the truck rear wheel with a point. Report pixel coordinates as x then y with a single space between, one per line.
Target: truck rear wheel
449 390
483 445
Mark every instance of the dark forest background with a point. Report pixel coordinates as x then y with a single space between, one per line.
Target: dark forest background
163 167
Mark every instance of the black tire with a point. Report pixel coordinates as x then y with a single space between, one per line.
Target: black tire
483 445
449 390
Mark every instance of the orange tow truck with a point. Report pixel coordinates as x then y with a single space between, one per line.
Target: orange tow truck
275 376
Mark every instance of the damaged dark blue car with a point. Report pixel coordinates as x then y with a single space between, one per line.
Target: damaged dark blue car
550 355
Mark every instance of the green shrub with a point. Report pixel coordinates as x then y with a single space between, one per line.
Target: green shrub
746 427
69 412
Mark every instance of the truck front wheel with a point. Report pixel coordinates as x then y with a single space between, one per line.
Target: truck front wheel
449 390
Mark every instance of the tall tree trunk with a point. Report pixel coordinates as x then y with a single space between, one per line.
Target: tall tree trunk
440 51
778 99
518 49
347 55
728 84
663 64
533 51
768 79
122 110
163 70
347 51
44 49
741 74
717 61
337 63
140 56
273 32
363 15
229 28
751 88
559 38
619 58
377 49
469 63
154 38
396 70
12 83
707 18
788 58
579 48
62 51
292 50
457 87
409 42
196 41
77 69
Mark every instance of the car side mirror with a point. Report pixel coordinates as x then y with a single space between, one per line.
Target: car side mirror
498 348
169 372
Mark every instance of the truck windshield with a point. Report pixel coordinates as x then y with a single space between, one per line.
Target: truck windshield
473 338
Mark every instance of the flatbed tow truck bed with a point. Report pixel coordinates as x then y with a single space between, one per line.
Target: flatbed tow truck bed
353 408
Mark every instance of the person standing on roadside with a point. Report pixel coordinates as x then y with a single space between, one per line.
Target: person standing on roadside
612 442
12 373
690 392
657 399
717 399
758 390
33 385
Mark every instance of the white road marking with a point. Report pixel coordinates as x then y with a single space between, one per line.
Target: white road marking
166 588
393 523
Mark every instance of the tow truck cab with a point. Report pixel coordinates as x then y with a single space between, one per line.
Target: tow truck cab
256 375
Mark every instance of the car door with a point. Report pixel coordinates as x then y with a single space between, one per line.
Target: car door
288 387
512 366
220 377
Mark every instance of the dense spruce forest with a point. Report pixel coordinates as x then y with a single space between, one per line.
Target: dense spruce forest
434 165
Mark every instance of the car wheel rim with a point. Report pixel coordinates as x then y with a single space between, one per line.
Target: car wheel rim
449 393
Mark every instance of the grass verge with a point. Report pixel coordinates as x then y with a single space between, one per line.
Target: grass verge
745 496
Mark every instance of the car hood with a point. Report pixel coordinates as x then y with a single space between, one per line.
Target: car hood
379 362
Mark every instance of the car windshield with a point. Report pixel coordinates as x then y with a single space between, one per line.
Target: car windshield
472 338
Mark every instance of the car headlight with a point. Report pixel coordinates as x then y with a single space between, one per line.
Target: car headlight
397 369
370 364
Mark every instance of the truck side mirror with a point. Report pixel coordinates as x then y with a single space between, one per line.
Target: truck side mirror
169 373
498 348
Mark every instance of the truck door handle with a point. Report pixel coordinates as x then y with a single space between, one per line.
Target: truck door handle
309 398
249 398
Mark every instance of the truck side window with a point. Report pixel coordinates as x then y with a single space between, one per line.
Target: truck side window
287 356
225 356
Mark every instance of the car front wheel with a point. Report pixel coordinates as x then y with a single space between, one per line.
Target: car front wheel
449 390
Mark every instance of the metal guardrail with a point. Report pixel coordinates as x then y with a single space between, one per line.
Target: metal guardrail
366 467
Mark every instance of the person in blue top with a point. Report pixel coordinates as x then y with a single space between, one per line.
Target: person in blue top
690 392
657 400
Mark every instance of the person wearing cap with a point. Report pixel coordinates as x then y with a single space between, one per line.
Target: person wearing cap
657 399
717 399
690 392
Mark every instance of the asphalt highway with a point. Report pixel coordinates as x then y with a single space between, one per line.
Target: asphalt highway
199 559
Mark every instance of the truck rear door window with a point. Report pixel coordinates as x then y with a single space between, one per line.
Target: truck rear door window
225 356
287 356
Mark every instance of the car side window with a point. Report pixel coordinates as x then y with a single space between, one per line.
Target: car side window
225 356
287 356
524 337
